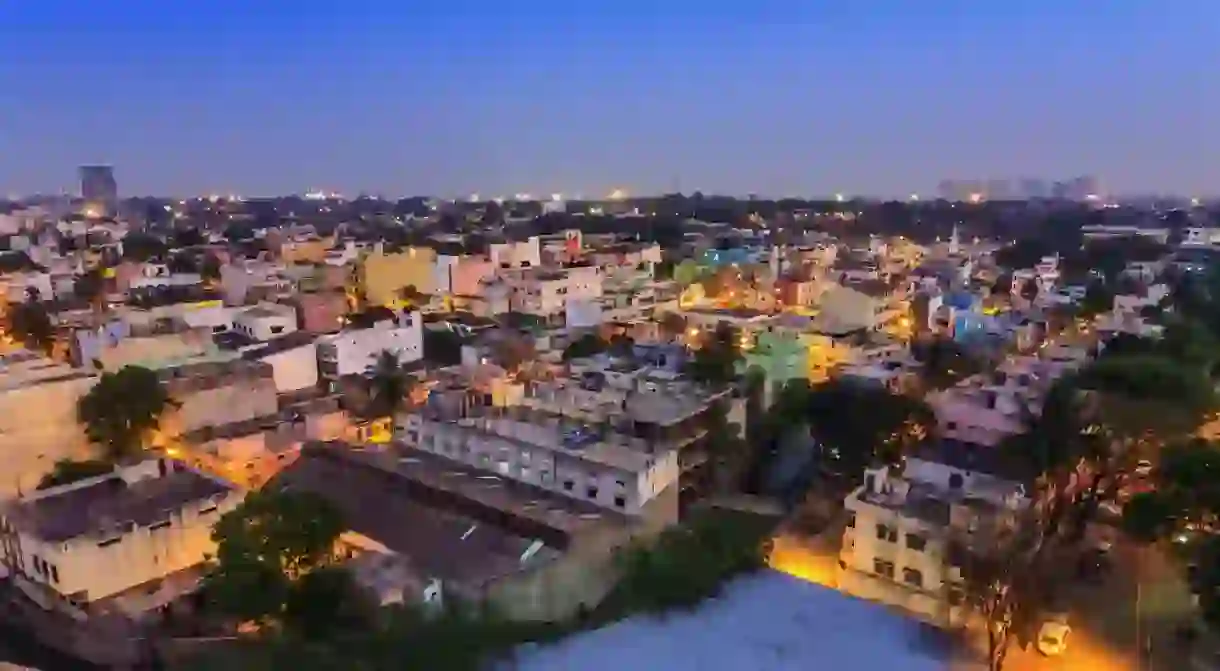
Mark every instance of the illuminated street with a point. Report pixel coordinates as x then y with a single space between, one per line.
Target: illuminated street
815 560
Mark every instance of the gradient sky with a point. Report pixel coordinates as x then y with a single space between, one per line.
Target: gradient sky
775 97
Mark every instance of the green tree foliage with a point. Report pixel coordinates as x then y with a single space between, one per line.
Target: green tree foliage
67 471
389 384
325 601
672 324
945 362
30 324
687 272
91 286
1149 396
1186 492
121 409
1189 343
855 425
15 262
1205 581
715 362
412 296
1098 299
263 548
142 247
1002 285
1029 290
584 346
727 452
210 267
664 270
689 564
443 347
620 345
1025 253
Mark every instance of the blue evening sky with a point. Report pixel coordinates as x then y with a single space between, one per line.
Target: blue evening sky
773 97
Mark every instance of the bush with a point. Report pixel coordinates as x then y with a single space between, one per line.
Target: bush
689 564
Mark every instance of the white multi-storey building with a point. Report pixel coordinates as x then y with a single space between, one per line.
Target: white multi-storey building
352 352
616 437
546 292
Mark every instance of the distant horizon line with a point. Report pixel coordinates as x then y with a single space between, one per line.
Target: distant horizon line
475 198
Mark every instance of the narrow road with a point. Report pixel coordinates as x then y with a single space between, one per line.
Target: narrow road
816 560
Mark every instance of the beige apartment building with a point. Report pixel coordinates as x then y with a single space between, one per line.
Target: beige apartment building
38 426
910 530
379 276
111 542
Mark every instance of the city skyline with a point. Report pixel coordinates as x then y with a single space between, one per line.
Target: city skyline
775 100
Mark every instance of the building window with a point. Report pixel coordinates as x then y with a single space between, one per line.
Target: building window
883 568
952 426
277 329
916 542
54 573
885 533
592 492
620 502
912 577
851 521
567 485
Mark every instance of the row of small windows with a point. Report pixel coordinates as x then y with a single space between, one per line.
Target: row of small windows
46 570
910 576
914 578
890 535
591 491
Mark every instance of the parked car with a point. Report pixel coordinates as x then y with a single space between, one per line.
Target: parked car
1053 636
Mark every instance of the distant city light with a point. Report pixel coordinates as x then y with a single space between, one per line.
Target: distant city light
474 197
840 197
618 194
914 196
556 197
976 197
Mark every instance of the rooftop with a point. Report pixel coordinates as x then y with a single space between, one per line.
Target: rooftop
554 434
760 621
259 312
101 505
437 541
530 511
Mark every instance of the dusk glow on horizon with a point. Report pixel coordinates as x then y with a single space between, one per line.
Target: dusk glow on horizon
775 98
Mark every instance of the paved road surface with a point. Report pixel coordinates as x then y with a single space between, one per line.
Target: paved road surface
816 560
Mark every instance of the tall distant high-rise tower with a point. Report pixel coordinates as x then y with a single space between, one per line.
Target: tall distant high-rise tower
98 187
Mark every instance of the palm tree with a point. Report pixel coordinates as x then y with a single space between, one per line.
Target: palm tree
389 384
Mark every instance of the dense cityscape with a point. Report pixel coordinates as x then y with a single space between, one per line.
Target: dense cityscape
689 431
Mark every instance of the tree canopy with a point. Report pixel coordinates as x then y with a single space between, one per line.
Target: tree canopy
855 425
122 408
715 362
30 323
389 383
584 346
67 471
945 362
264 547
